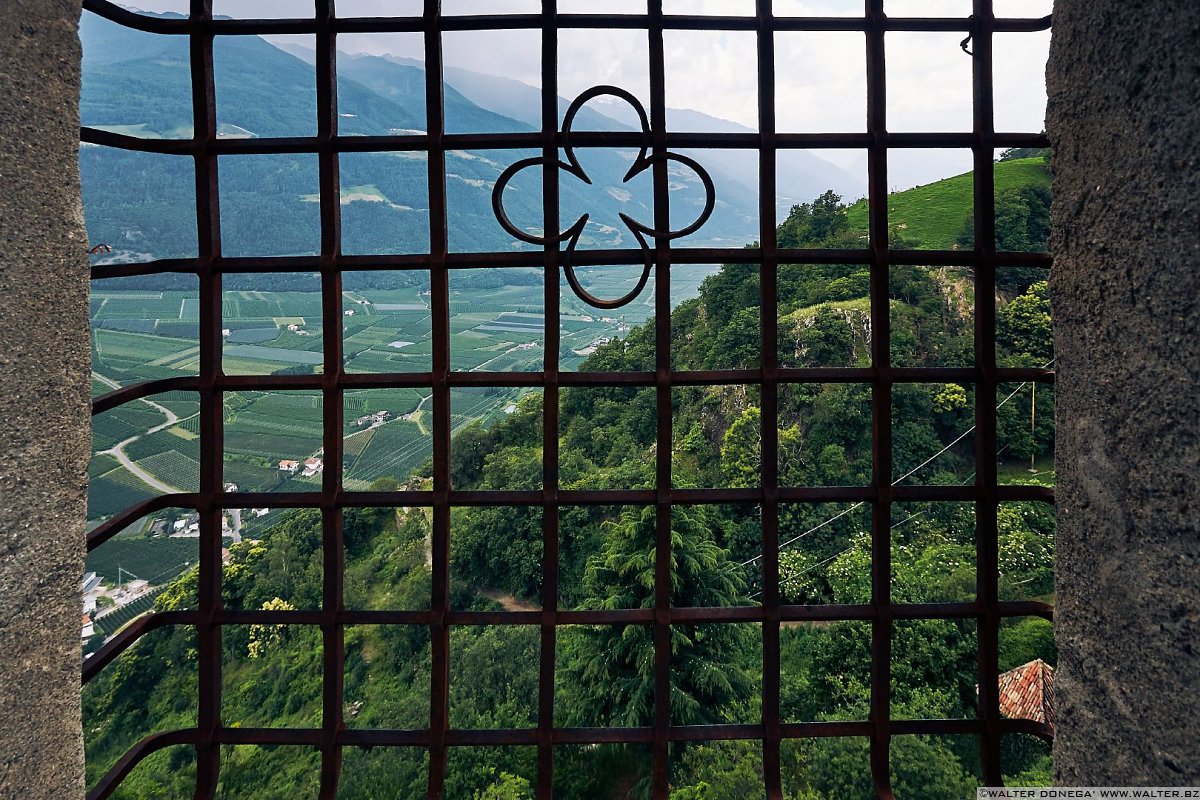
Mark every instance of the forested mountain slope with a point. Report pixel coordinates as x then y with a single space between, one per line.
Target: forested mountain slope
607 440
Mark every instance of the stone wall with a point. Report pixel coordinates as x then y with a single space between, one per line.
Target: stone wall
1124 118
45 418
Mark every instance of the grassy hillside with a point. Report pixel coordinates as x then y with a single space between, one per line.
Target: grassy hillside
935 213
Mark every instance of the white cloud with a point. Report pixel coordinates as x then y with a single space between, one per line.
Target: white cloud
820 78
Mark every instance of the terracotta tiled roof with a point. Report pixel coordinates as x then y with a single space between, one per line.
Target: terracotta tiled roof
1027 692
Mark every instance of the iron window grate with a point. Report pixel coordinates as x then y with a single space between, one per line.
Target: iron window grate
200 28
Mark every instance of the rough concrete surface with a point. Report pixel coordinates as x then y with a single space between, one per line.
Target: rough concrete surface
1124 119
44 400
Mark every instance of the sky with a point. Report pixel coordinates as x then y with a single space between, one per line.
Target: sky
820 77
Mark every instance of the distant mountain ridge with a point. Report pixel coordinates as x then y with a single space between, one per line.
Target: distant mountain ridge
802 175
142 203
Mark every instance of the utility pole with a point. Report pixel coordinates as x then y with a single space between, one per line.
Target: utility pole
1033 427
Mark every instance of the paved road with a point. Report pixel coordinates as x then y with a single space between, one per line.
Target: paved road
117 451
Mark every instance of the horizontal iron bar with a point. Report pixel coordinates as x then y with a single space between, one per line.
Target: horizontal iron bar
630 616
783 141
423 380
125 764
573 497
376 737
130 634
136 391
419 24
531 259
114 525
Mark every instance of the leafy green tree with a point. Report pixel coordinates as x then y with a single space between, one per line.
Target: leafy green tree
718 770
265 638
1023 326
741 451
826 340
951 397
499 548
724 293
507 787
810 224
1022 221
1026 557
1024 639
1012 153
738 340
610 675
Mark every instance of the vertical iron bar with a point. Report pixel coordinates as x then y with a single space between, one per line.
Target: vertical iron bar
660 771
769 398
881 404
333 637
208 237
986 543
550 521
439 706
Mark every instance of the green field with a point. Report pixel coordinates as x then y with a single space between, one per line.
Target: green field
112 622
273 425
393 451
496 325
933 215
113 490
142 557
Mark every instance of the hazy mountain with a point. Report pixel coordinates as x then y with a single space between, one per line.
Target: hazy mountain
142 204
507 97
802 175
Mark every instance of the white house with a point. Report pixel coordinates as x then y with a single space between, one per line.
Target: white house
289 466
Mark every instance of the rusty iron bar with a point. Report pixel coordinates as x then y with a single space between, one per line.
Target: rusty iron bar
418 380
208 226
516 259
439 704
548 618
986 534
417 23
333 641
768 303
881 405
585 139
660 774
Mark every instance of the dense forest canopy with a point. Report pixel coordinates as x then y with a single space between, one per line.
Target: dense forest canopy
272 674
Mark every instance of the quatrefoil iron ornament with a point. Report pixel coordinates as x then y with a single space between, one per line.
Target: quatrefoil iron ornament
572 234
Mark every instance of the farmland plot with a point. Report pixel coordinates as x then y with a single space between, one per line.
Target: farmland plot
151 559
393 451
